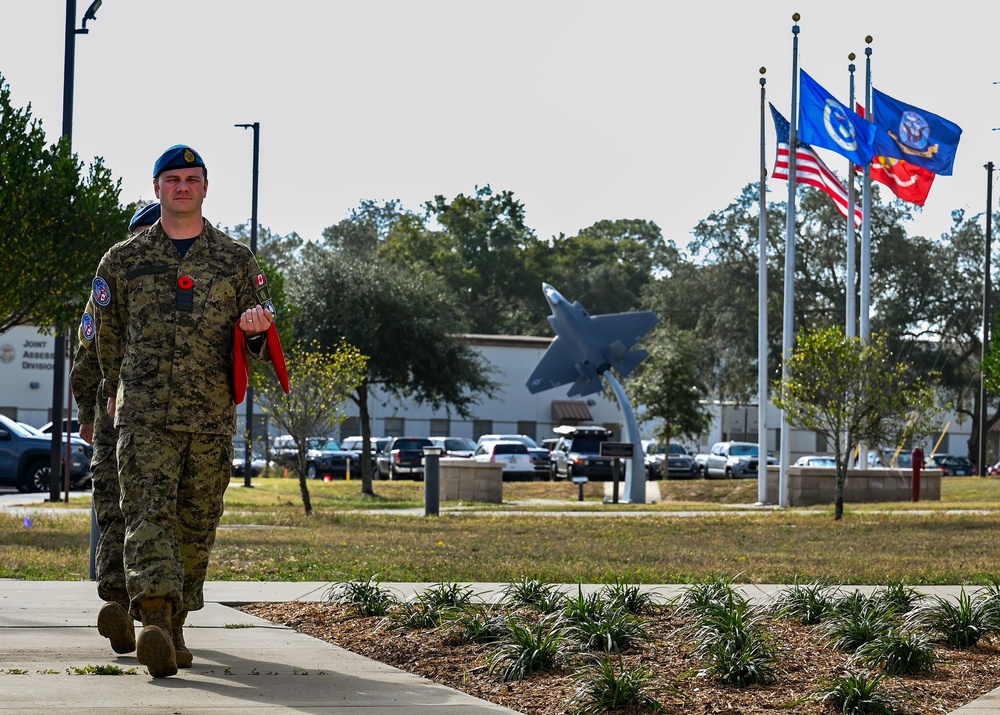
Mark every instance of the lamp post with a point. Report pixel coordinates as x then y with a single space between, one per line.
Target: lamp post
987 319
248 455
59 349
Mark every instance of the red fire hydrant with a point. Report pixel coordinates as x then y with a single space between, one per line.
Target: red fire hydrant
918 464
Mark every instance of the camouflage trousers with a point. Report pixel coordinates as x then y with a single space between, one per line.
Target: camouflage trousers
172 485
109 560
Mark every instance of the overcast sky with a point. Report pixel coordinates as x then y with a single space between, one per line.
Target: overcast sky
585 110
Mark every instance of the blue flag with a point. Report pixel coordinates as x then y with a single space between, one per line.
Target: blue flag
918 136
827 123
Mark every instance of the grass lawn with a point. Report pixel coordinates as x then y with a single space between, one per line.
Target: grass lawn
351 536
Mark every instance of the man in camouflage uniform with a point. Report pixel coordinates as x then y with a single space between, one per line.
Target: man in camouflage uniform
97 428
167 304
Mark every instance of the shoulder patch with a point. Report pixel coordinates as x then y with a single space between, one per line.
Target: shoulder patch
102 292
87 328
260 280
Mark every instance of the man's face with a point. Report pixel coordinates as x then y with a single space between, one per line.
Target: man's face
181 191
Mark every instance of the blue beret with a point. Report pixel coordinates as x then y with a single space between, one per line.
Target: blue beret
146 216
178 156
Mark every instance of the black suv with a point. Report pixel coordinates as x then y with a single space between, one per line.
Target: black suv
578 454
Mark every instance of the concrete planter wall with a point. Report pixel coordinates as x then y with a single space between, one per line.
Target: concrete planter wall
811 486
466 480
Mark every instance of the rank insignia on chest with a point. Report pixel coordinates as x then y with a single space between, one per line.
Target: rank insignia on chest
185 294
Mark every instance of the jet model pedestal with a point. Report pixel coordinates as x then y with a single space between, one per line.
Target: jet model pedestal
585 349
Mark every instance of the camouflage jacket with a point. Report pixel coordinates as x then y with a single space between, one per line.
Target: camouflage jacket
164 328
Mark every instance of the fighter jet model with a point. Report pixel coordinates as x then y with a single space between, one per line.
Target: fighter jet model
587 346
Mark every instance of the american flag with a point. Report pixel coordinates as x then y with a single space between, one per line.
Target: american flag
809 168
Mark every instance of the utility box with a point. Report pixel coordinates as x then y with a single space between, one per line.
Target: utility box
468 480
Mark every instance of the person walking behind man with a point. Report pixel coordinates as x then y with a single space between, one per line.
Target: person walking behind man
98 429
167 304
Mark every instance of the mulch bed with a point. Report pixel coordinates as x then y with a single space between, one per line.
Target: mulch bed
805 663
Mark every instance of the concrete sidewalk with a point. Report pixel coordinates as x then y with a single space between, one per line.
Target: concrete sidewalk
47 630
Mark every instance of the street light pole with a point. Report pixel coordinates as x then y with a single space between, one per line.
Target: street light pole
248 454
59 349
987 319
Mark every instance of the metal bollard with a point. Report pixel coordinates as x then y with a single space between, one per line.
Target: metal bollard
432 481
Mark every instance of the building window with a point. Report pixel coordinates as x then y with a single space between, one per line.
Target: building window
821 443
349 427
440 427
528 429
394 426
481 427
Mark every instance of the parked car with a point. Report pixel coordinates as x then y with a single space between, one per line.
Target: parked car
329 459
951 465
577 454
815 460
732 460
25 458
541 456
74 425
356 442
514 457
403 456
284 451
258 463
455 447
672 462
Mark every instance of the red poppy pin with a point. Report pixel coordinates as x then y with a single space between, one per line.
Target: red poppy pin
185 283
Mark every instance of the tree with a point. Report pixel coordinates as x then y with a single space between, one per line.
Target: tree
55 221
404 319
477 247
670 387
367 228
320 383
278 252
850 392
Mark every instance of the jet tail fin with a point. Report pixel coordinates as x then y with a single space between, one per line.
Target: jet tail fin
585 385
630 361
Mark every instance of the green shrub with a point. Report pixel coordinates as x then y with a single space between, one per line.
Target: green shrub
960 623
857 694
366 598
808 603
609 686
527 649
898 653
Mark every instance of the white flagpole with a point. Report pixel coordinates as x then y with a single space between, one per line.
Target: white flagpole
762 399
866 205
788 324
850 278
866 233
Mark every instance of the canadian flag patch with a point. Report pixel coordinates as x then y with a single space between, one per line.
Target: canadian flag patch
260 280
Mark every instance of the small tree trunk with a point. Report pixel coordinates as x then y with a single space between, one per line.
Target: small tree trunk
306 501
838 498
303 486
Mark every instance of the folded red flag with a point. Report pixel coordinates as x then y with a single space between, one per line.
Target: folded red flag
277 357
241 366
